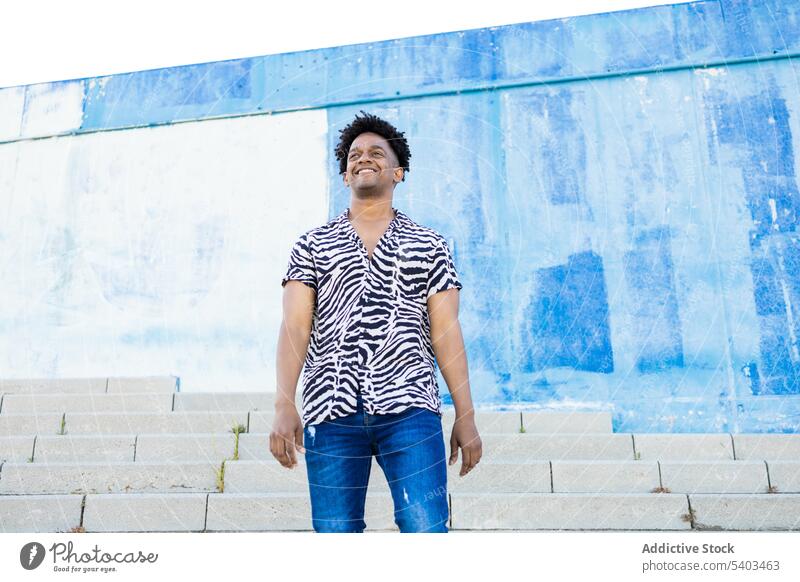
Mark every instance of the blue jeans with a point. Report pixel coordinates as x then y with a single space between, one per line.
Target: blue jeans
409 447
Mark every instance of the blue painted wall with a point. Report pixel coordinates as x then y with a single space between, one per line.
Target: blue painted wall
619 191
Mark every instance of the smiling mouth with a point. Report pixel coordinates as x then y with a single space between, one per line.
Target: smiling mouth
366 170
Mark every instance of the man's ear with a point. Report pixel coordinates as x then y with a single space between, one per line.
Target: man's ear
398 174
344 177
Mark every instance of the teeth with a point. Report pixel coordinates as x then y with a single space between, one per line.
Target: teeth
370 171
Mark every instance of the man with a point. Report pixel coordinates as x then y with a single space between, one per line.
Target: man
369 300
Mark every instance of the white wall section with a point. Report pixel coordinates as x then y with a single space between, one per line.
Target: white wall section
156 250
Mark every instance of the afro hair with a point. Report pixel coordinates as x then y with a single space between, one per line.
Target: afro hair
374 124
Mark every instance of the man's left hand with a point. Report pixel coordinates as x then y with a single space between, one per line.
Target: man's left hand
465 436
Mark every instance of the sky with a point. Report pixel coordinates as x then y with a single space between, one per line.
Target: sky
53 40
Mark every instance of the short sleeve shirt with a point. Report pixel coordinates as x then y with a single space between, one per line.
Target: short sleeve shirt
370 327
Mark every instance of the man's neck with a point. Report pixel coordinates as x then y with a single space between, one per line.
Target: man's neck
371 210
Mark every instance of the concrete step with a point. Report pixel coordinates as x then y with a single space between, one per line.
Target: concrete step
171 448
12 425
217 512
255 446
156 384
486 421
153 422
505 447
16 449
39 513
67 448
784 476
271 476
569 511
145 512
84 448
566 422
776 512
54 386
715 477
545 422
101 477
767 447
261 419
172 437
282 512
267 475
603 476
500 476
544 447
683 447
664 476
81 442
17 424
536 421
94 403
227 401
107 423
239 477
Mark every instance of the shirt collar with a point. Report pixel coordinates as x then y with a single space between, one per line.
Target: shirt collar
346 227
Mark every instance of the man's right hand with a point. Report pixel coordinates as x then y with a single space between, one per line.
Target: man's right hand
286 436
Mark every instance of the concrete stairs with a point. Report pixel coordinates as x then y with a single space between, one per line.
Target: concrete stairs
136 454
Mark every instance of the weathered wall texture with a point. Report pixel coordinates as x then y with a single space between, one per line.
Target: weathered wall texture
619 191
155 250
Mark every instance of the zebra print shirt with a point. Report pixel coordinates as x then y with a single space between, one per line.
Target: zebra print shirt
370 328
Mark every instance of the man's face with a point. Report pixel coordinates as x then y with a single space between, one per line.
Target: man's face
372 165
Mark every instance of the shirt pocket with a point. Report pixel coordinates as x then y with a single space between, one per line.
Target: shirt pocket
410 275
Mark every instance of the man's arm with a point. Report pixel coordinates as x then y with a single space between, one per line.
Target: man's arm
448 346
295 332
